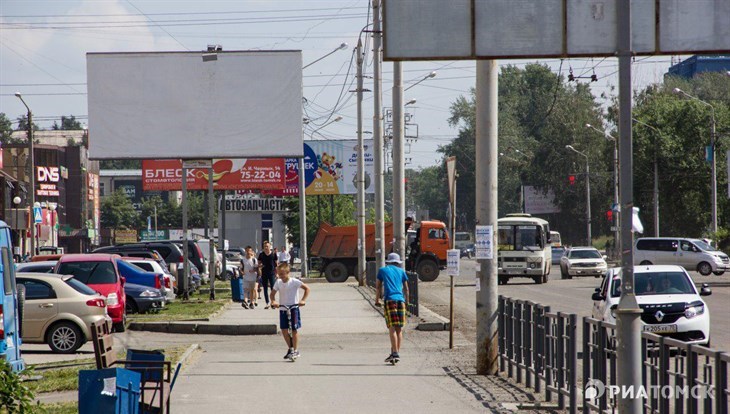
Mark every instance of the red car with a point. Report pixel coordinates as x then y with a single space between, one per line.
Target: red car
99 271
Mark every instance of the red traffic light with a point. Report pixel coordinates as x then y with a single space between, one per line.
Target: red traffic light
609 215
571 179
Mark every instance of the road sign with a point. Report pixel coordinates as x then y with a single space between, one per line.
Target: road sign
37 215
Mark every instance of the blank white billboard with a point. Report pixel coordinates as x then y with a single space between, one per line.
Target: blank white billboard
505 29
175 105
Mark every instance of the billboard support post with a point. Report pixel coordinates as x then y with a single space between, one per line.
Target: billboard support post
378 138
302 218
186 270
211 213
399 216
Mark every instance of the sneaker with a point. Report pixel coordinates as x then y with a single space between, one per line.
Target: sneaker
256 304
267 306
244 305
289 354
396 357
390 358
295 354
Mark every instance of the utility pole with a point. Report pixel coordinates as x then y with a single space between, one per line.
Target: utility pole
209 224
302 218
361 237
155 221
713 138
222 232
31 158
628 326
486 213
378 140
186 269
399 189
656 193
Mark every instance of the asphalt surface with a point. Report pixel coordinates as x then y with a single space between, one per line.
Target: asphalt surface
570 295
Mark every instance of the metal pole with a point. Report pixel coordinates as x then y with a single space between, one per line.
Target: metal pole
361 248
656 192
453 246
186 269
486 213
617 222
302 218
399 188
588 203
211 213
628 312
714 178
33 229
378 140
222 232
155 221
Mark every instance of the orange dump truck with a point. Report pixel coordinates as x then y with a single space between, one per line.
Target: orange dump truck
336 248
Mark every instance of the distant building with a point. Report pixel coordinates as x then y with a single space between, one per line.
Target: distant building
689 68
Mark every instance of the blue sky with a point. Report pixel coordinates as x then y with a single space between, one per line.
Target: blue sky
43 46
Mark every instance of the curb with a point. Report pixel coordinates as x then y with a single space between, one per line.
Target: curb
712 284
203 329
188 352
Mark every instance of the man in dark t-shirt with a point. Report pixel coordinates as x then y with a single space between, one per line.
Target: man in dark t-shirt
267 264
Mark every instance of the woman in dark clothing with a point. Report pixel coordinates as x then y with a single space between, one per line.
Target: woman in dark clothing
267 264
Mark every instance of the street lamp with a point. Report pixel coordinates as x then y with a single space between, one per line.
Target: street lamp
342 46
16 201
588 193
616 201
411 102
712 154
656 177
52 207
429 76
337 119
31 200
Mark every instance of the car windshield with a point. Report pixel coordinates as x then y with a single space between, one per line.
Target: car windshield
520 237
704 246
80 287
657 283
90 273
585 254
461 237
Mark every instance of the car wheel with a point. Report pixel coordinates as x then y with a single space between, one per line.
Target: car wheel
64 338
121 326
545 279
427 271
21 308
503 280
131 306
718 273
704 268
563 273
645 263
538 280
336 272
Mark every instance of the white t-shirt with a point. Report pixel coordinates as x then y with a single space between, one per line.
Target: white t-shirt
284 257
249 269
289 291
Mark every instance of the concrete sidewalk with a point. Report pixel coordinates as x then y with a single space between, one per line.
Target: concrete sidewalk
343 342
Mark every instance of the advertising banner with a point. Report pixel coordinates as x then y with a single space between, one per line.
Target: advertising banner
483 245
255 204
453 257
228 174
125 236
539 201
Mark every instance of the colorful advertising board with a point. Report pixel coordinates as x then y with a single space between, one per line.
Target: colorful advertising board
228 174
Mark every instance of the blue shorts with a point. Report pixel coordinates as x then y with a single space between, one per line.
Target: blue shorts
296 319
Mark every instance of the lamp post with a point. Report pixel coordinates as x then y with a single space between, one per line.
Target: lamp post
588 193
429 76
656 177
31 200
340 47
617 233
713 181
16 201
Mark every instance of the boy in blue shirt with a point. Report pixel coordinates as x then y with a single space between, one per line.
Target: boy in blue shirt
392 286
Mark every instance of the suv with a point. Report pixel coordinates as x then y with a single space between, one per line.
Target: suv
169 251
692 254
11 304
668 298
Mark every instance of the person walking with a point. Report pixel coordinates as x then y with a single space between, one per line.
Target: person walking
250 271
290 320
284 256
392 287
267 264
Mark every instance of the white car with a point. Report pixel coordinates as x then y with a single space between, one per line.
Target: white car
668 297
582 261
151 265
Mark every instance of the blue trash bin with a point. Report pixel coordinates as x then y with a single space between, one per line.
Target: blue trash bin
154 371
111 390
237 289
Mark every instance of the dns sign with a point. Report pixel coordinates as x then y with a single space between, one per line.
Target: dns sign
48 174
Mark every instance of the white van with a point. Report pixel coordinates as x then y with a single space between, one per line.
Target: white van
692 254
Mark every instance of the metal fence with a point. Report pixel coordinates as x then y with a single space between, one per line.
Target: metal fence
539 348
412 303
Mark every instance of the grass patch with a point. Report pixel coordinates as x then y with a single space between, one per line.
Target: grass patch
199 306
67 379
61 408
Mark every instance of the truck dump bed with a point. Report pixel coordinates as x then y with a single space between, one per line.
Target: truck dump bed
341 241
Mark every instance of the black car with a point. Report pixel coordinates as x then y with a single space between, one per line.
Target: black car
194 254
143 299
169 251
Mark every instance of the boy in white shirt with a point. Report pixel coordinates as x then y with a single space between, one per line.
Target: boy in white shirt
289 288
250 268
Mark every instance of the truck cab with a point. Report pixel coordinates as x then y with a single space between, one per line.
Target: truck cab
428 242
10 303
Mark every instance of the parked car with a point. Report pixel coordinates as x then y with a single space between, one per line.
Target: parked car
196 255
99 272
59 311
169 251
582 261
692 254
668 298
150 265
139 276
36 267
467 251
143 299
558 252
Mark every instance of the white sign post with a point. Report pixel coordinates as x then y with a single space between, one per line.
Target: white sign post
483 246
453 261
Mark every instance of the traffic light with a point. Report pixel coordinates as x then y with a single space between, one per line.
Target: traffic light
609 215
571 179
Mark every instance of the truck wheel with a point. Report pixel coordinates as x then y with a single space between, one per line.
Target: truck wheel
704 268
503 280
336 272
538 280
718 273
21 308
427 271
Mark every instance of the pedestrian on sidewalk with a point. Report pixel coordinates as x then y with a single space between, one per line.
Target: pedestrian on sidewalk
284 256
250 270
392 286
267 265
289 296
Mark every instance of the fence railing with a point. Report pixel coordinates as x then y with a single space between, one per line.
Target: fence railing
412 303
539 348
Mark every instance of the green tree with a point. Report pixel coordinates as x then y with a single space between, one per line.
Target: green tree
120 164
23 124
6 128
68 123
117 211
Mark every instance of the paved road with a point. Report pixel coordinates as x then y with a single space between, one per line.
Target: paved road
572 296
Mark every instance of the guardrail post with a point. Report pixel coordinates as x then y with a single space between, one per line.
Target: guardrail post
549 354
691 379
586 360
600 362
721 383
518 339
510 338
527 341
500 332
559 336
663 374
572 363
539 341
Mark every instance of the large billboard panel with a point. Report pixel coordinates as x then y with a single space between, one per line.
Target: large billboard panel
195 105
228 174
539 200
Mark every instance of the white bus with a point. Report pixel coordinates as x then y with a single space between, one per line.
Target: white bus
555 239
523 248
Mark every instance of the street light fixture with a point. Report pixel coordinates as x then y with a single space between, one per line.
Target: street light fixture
712 154
588 194
411 102
656 177
337 119
429 76
342 46
31 200
616 201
